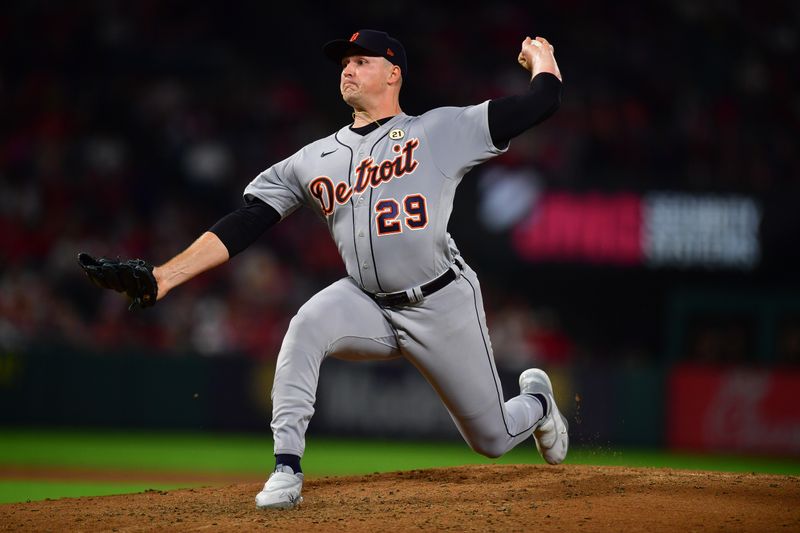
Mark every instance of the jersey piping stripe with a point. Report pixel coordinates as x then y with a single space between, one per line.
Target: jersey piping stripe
371 248
500 402
352 207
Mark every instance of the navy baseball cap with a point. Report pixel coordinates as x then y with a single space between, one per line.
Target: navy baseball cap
368 43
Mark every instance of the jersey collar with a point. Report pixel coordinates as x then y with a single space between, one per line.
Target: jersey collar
372 126
349 137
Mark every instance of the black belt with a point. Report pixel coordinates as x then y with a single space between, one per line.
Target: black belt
393 299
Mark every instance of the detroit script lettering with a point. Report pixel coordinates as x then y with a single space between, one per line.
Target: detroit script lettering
368 174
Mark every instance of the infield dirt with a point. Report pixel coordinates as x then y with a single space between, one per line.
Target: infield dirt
469 498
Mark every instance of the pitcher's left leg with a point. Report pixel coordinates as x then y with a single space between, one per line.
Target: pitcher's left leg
446 338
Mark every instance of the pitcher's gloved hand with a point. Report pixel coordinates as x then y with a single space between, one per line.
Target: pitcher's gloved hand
134 277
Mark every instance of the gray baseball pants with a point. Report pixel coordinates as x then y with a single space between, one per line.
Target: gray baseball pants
445 337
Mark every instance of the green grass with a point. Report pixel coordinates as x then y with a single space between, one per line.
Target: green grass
137 450
252 455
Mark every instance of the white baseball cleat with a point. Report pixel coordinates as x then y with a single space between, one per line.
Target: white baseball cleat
282 490
551 433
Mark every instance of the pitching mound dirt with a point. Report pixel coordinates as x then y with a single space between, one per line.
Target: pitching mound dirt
470 498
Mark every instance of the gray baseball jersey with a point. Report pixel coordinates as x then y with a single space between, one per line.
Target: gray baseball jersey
387 198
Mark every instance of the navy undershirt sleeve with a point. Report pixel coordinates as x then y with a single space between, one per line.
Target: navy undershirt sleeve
511 115
240 228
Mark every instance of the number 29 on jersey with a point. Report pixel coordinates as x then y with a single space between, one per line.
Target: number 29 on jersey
391 216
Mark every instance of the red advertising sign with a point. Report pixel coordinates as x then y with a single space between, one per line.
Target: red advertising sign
657 229
734 410
590 228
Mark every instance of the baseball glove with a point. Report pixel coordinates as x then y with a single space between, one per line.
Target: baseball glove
134 277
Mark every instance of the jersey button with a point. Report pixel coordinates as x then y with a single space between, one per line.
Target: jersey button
365 265
361 233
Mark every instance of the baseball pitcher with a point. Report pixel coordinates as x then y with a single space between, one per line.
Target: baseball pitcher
384 185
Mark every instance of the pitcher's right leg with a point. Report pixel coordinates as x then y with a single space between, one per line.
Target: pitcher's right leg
445 336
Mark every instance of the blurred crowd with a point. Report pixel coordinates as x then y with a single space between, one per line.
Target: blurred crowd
129 128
